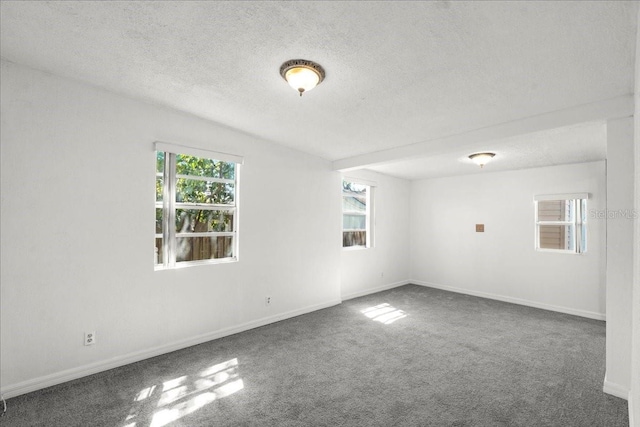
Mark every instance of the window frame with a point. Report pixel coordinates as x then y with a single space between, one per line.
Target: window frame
368 213
578 222
170 205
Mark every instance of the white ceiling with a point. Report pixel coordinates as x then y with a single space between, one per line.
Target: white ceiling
584 142
398 73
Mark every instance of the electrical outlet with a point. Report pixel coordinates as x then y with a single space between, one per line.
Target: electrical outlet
89 338
267 300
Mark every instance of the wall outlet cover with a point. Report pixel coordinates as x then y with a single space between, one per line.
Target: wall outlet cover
89 338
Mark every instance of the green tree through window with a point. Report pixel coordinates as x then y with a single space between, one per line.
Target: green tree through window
355 214
198 197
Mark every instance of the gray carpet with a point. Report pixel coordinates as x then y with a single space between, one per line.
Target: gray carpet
419 357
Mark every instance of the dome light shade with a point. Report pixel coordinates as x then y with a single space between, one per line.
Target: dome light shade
481 159
302 75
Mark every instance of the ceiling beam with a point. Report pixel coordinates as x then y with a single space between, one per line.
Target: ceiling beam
622 106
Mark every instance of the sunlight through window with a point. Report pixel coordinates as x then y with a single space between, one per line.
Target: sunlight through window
186 394
384 313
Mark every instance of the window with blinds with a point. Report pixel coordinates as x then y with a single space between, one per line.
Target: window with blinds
561 222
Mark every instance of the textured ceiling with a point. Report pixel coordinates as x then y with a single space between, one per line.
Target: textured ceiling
398 73
584 142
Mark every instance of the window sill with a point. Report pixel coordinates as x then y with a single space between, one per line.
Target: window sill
355 248
189 264
558 251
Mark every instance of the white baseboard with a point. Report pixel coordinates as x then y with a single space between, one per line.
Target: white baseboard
374 290
34 384
615 389
630 403
560 309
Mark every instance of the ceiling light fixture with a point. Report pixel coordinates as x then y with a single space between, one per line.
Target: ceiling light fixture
302 75
481 159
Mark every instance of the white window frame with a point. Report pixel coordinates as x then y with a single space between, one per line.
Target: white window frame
577 224
369 220
169 205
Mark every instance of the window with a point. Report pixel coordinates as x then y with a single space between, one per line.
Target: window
196 206
561 222
356 214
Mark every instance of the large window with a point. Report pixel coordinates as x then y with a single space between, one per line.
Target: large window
356 214
561 223
196 206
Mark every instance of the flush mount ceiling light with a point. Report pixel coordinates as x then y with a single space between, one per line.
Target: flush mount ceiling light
481 159
302 75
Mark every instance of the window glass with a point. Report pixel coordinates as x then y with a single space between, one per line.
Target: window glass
354 222
204 248
198 191
196 211
159 175
356 214
198 221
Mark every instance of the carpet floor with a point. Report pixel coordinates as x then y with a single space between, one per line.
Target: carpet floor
410 356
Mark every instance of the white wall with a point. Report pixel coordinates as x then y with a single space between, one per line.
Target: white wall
619 255
386 264
77 217
634 395
501 263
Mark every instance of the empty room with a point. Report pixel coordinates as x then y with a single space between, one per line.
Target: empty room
366 213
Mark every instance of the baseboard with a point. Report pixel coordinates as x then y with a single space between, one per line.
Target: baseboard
28 386
560 309
615 389
630 403
374 290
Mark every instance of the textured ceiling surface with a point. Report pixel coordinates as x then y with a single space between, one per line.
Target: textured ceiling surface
398 73
584 142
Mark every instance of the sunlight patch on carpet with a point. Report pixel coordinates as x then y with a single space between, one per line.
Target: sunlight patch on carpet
384 313
145 393
186 394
